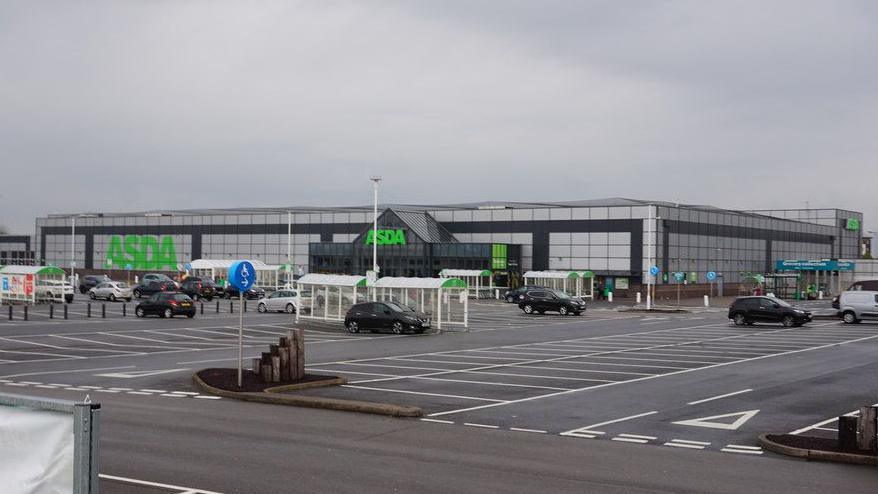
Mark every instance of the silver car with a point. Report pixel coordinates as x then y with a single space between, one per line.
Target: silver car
111 290
279 301
855 306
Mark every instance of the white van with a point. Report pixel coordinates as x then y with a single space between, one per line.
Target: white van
855 306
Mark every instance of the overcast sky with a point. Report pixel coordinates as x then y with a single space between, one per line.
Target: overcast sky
132 105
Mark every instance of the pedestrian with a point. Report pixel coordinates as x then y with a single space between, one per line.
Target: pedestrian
600 294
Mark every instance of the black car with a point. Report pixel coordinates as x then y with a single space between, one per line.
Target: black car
543 300
378 316
515 294
198 288
166 304
749 310
254 293
88 282
149 288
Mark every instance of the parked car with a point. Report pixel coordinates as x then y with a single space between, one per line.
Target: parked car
150 277
543 300
749 310
380 316
54 291
862 285
112 291
253 293
856 306
166 304
279 301
90 281
147 289
515 294
198 287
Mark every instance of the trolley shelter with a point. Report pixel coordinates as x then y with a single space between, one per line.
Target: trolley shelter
587 283
23 283
445 300
328 297
266 276
477 280
566 281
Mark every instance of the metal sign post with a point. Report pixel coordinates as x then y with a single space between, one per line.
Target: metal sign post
241 276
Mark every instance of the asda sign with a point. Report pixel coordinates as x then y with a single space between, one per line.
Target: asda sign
386 237
145 252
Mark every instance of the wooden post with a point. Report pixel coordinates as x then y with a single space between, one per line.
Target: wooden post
266 371
257 366
275 368
300 353
847 433
866 427
284 362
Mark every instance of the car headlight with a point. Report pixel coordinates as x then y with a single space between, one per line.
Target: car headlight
799 311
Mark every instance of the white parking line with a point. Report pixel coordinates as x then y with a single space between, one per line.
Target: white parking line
536 431
404 391
181 490
705 400
485 426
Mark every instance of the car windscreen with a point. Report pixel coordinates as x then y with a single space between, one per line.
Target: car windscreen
397 308
122 284
181 298
562 295
779 302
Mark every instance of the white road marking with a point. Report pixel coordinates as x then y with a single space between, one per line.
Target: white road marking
697 443
683 445
438 421
629 440
138 393
485 426
203 397
720 396
404 391
16 384
69 371
153 391
134 374
106 391
636 436
589 428
743 451
32 383
185 393
182 490
171 395
710 423
536 431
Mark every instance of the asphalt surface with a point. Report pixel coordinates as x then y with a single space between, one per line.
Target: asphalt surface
606 402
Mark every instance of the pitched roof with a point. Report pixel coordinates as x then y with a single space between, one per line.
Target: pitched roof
424 226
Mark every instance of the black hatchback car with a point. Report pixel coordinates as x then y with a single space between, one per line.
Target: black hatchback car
198 288
380 316
88 282
166 304
254 293
749 310
543 301
150 288
513 295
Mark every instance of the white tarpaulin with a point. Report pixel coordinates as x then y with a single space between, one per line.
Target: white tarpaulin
36 451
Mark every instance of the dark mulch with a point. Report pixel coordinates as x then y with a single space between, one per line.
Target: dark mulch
227 379
820 443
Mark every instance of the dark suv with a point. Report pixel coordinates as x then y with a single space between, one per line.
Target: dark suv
198 288
542 300
152 287
377 316
748 310
513 295
254 293
166 304
86 283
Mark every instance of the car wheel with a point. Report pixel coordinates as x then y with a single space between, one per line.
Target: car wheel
261 308
528 309
397 327
353 327
92 295
787 321
290 308
849 317
190 316
139 312
168 313
739 319
510 299
563 311
112 297
136 294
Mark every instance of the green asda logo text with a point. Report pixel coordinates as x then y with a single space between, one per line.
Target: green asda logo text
386 237
146 252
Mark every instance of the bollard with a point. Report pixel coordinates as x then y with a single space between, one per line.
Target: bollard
10 312
245 305
638 297
820 295
103 311
217 306
610 297
65 311
25 312
202 308
706 301
866 428
51 311
88 309
231 307
124 309
497 294
847 433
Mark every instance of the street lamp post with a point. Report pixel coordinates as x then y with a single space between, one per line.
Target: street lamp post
73 250
375 179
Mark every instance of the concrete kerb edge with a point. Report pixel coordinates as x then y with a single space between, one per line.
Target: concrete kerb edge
816 454
314 401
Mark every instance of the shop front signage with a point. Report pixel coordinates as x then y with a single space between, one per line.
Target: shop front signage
813 265
143 252
852 224
499 256
386 237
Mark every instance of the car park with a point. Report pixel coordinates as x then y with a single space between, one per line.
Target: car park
544 300
166 305
749 310
54 291
513 295
279 301
856 306
150 288
90 281
382 316
198 288
112 291
254 293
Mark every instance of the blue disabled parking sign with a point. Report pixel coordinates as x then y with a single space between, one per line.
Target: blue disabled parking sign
242 275
654 270
711 275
